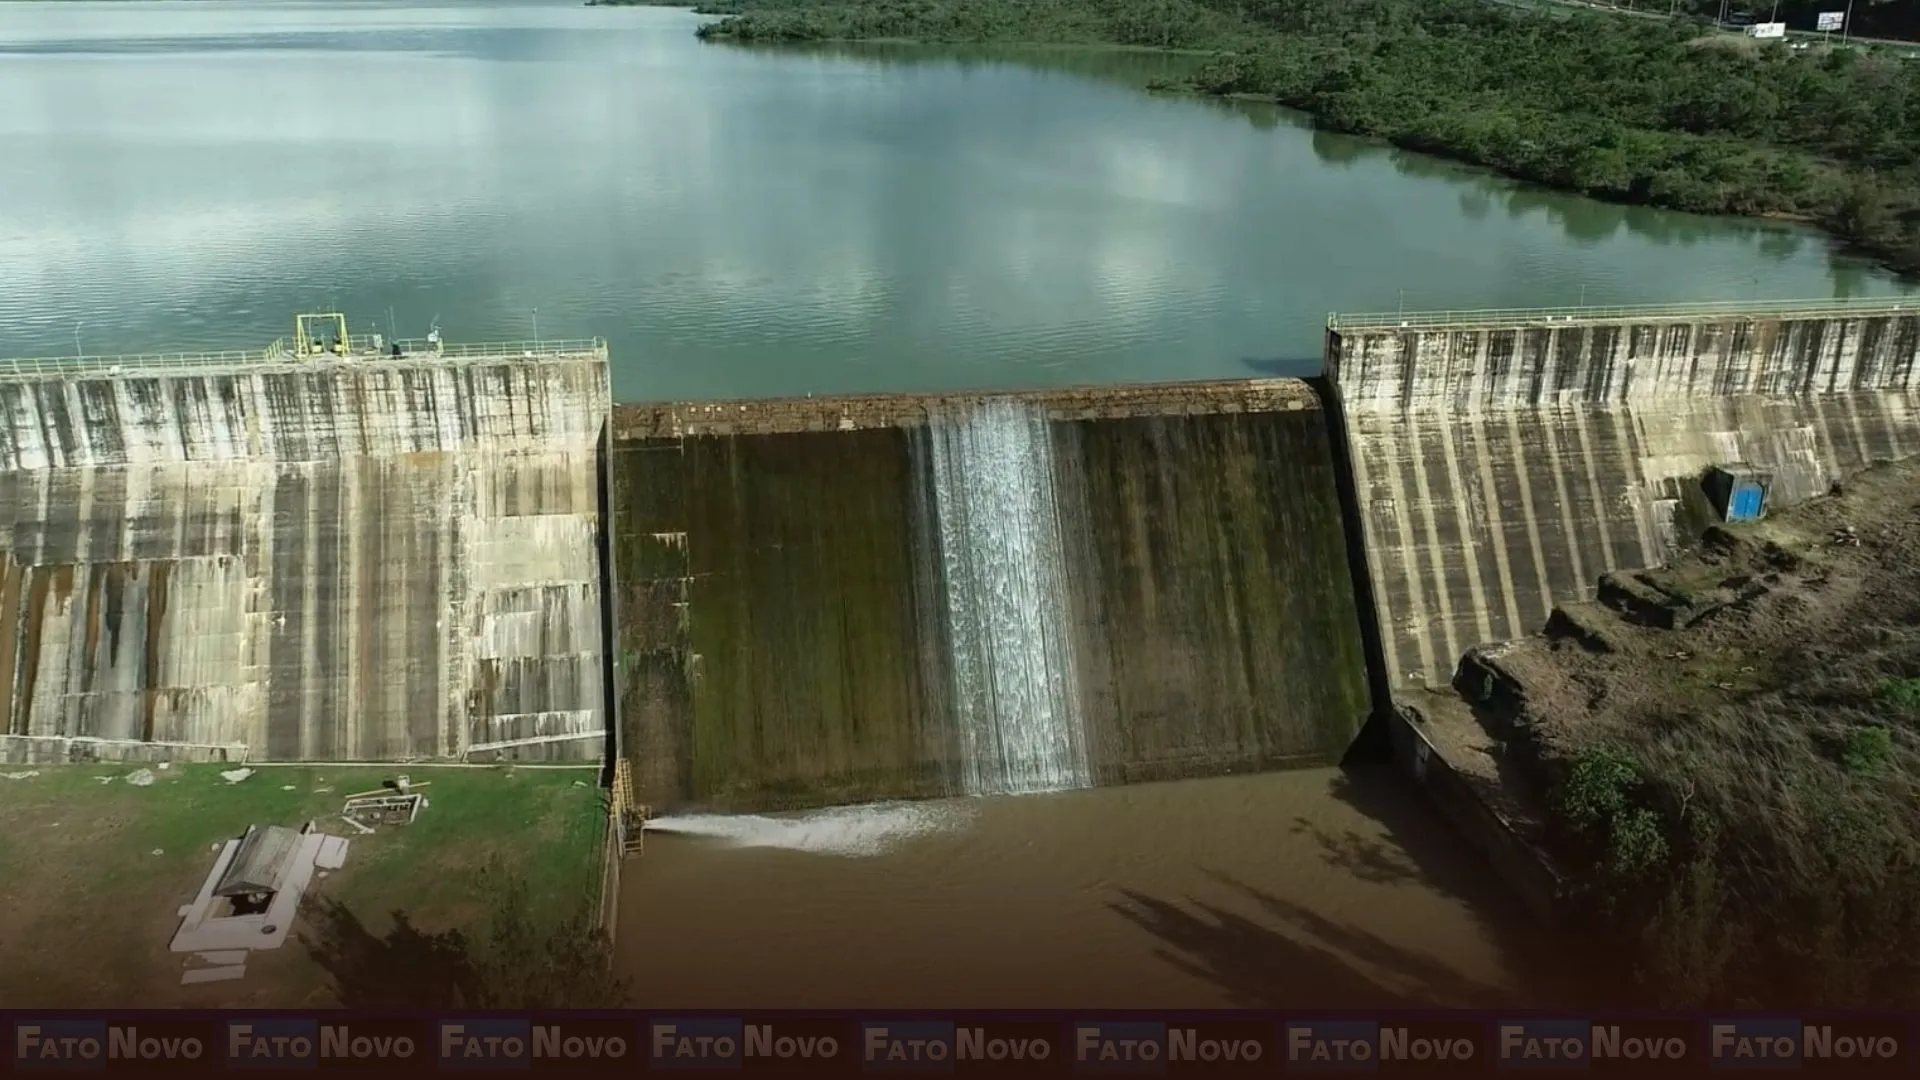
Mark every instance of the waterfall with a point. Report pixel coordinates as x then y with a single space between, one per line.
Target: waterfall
1015 696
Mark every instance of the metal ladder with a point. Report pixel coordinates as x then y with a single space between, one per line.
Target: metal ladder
632 817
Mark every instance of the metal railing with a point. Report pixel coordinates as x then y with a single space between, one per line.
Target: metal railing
279 356
1527 316
64 365
415 347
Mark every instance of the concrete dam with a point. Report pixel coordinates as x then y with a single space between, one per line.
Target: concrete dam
472 554
840 600
278 558
1505 460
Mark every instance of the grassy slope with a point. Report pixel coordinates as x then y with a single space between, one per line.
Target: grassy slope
91 873
1630 110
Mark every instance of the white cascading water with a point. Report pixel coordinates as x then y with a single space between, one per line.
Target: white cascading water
1008 619
846 831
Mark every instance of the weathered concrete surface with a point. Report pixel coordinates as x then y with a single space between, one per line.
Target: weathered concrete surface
778 606
331 560
1504 461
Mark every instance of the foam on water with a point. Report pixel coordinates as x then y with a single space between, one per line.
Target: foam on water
846 831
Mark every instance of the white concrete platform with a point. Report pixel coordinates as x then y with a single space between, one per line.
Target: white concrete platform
201 931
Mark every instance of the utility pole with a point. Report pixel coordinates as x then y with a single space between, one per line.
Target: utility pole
78 353
1846 23
536 328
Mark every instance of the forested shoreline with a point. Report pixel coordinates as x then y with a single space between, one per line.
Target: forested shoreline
1659 112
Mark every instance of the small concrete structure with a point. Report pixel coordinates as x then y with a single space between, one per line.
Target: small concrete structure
267 873
261 863
1739 492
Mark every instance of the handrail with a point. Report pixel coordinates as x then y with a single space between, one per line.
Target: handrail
1528 316
277 355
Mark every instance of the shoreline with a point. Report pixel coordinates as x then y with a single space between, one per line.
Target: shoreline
1888 256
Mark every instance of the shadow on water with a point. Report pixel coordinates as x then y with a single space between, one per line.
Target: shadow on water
1282 367
1421 848
1418 846
1291 955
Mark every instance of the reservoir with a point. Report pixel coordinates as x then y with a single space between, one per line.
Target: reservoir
184 175
751 224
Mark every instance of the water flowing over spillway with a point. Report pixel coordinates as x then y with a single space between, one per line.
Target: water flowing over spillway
1016 700
852 601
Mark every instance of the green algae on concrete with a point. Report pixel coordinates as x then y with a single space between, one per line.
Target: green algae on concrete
799 682
1217 625
782 610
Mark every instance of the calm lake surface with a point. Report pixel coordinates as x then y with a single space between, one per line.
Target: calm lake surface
746 223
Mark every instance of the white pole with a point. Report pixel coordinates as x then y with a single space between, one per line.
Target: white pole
1846 22
536 328
78 353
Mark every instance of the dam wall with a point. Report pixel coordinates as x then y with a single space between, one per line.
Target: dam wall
360 559
1502 461
837 600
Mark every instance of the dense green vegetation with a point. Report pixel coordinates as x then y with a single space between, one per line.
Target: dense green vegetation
1664 112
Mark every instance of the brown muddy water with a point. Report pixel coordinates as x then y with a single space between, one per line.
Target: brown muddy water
1324 888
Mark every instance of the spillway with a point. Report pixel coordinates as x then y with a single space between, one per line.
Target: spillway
846 600
1015 696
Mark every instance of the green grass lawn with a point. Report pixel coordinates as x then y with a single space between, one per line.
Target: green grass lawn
93 870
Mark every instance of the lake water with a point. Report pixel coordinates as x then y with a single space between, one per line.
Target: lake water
750 223
746 223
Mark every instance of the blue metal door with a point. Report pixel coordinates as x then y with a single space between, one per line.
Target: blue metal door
1747 500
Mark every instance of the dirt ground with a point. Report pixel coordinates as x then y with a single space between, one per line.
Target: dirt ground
93 869
1723 754
1821 598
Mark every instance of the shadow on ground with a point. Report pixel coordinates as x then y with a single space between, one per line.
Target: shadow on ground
406 968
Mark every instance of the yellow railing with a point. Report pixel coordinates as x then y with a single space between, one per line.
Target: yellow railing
1466 320
278 355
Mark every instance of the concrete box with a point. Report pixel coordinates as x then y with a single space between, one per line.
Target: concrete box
1739 492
